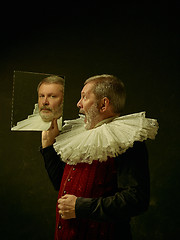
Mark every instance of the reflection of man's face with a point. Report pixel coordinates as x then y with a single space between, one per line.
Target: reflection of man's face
50 101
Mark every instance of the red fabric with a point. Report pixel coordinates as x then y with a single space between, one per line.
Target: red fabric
89 181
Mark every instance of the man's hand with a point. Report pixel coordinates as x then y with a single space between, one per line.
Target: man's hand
66 205
48 137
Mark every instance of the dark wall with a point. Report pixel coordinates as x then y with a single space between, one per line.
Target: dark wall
137 43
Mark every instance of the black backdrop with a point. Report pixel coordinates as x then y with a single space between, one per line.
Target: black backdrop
136 42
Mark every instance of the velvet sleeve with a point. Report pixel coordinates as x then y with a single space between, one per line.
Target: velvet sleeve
132 196
53 165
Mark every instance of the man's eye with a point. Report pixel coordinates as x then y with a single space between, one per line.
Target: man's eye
41 96
84 97
52 96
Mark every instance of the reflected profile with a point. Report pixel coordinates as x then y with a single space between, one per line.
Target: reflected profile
50 92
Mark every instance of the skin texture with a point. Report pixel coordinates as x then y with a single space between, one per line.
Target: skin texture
88 106
50 99
94 110
66 206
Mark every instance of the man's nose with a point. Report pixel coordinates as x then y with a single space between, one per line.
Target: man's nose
45 101
79 105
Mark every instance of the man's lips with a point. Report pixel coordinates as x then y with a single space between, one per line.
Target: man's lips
45 110
83 113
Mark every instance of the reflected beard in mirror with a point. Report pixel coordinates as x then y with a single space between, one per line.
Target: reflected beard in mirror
47 114
50 101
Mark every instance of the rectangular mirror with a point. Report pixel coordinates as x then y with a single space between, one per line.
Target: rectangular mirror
37 99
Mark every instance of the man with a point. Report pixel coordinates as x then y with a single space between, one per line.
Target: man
50 98
50 105
100 169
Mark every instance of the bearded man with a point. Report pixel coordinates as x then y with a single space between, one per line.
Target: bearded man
50 106
50 98
99 164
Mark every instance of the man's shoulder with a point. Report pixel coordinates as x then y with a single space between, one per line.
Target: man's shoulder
138 149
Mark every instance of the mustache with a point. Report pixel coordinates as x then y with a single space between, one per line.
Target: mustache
82 112
45 108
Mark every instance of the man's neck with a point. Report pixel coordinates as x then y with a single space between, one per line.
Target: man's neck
106 120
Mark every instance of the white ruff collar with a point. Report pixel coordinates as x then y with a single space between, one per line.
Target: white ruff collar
77 145
34 122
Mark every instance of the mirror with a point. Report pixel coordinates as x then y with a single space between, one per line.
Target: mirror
37 99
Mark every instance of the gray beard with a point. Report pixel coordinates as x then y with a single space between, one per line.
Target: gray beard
54 114
91 116
46 117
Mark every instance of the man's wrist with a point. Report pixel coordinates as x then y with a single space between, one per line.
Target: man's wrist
46 144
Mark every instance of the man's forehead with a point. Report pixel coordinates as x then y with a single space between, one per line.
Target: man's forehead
87 89
51 87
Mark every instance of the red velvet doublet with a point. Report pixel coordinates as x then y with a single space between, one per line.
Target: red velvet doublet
89 181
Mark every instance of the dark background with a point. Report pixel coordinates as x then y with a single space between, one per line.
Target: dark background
138 43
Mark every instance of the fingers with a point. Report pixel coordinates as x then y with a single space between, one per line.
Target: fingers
48 137
66 196
66 214
66 206
68 200
53 124
63 204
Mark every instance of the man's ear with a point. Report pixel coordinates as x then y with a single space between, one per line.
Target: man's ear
104 104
